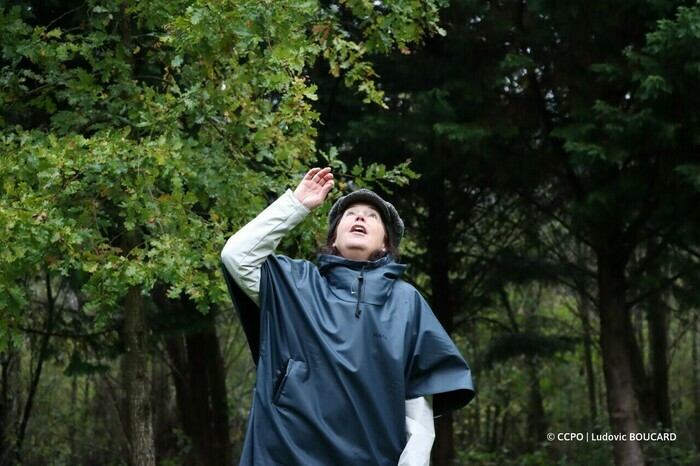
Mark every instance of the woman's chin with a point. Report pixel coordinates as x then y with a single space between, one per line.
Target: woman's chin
356 253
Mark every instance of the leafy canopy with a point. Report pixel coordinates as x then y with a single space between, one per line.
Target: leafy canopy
137 134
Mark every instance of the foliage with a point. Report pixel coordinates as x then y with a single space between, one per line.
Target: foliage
169 119
136 135
551 141
526 344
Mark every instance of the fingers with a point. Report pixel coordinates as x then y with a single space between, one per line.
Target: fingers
326 178
327 187
319 175
311 173
313 189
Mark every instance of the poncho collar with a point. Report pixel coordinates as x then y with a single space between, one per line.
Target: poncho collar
343 275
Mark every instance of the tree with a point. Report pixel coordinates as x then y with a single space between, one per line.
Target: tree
137 134
587 121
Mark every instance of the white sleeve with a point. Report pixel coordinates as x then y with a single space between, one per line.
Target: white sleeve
420 433
246 251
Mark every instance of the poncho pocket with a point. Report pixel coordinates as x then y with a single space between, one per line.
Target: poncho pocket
282 378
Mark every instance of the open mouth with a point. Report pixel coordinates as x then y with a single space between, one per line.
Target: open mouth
358 229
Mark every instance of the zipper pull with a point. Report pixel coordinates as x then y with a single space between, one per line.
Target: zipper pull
360 279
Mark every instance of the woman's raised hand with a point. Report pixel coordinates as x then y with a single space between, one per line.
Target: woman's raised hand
314 187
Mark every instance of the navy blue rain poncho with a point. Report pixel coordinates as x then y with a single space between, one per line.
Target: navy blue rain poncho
339 348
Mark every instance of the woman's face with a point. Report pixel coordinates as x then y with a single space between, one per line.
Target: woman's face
360 232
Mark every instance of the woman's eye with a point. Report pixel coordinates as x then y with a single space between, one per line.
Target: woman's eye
372 215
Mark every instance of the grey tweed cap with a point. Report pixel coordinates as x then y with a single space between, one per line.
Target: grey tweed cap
390 217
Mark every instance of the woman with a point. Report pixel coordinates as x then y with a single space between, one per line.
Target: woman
345 350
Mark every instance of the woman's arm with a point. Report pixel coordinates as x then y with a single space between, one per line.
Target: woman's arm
246 251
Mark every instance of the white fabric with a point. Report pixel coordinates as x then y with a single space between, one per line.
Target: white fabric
420 433
243 256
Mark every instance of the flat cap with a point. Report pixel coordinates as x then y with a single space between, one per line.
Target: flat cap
390 217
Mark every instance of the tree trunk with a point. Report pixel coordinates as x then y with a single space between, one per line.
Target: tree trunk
36 376
439 257
585 309
72 428
199 375
165 423
536 420
443 451
657 317
615 338
493 440
139 414
139 408
8 359
641 380
695 384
